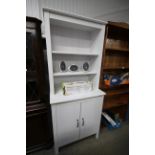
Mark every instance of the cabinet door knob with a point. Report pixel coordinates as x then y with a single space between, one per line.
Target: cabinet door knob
82 121
77 123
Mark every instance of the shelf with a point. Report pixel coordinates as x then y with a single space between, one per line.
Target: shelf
125 50
117 90
115 87
115 62
59 97
119 25
73 42
35 107
116 69
114 106
73 73
116 101
77 54
117 93
33 102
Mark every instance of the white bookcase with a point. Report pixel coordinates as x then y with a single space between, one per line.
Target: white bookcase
74 40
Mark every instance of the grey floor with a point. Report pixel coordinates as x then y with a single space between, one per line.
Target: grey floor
115 142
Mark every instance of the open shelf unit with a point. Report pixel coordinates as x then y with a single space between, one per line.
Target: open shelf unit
73 41
115 62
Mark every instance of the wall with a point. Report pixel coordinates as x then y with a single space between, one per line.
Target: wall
32 8
114 10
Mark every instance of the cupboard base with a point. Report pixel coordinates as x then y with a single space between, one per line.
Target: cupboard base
73 121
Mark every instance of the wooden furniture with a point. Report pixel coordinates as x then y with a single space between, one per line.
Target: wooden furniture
38 114
74 40
115 62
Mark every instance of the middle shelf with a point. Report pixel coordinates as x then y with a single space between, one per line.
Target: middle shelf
116 49
74 53
120 86
66 65
73 73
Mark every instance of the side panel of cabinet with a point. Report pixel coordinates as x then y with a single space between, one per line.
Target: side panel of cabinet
67 122
90 116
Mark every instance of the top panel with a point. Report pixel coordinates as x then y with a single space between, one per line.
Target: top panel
75 16
74 21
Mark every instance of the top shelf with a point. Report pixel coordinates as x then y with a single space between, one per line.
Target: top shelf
118 31
71 53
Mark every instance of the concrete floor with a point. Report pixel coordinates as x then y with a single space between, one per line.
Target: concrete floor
110 142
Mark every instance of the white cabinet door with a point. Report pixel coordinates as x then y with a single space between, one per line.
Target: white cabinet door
90 116
67 124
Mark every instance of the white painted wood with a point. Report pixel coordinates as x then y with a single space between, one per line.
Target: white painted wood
73 73
75 40
72 53
49 49
58 81
71 40
73 59
67 122
54 125
60 98
59 90
75 120
74 18
90 116
98 47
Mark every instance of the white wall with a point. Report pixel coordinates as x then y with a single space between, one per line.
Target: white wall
113 10
32 8
121 15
